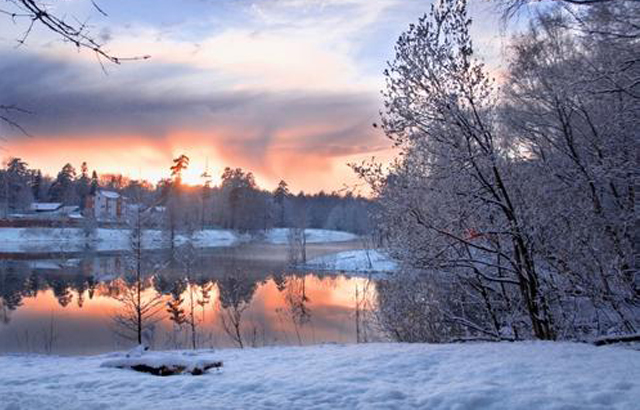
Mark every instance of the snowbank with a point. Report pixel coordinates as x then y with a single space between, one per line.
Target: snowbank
371 376
357 261
76 239
280 236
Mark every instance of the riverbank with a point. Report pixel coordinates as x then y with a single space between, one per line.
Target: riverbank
526 375
354 262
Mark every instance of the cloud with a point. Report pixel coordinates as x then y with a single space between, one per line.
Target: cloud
287 88
252 129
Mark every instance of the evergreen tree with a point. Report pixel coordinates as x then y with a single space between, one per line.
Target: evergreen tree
83 185
17 180
94 183
280 196
36 187
62 189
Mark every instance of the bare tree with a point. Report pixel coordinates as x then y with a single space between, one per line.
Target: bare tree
236 293
139 312
71 30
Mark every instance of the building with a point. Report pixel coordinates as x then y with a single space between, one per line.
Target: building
105 206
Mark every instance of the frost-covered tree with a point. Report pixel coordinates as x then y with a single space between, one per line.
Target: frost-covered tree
571 105
522 199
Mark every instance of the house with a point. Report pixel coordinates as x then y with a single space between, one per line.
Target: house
105 206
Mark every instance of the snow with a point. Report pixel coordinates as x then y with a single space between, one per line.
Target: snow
280 236
164 362
358 261
45 206
75 239
109 194
526 375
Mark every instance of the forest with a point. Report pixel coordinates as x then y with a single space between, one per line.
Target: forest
237 203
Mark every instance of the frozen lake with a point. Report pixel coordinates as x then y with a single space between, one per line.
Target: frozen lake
244 295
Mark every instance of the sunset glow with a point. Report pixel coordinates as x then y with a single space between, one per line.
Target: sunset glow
286 90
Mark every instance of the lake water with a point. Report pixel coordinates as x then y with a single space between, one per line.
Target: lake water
242 296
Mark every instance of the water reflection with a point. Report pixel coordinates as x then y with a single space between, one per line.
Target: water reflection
92 304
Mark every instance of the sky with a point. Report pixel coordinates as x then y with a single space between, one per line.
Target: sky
287 89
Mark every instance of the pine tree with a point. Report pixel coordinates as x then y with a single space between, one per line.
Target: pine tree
36 187
62 189
83 185
94 183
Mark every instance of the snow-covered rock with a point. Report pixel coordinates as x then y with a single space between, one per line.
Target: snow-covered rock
514 376
163 363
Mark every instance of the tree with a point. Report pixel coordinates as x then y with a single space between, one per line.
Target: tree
205 195
83 185
63 189
439 111
139 312
235 297
36 187
297 236
17 179
179 164
174 307
186 283
511 211
571 100
281 197
245 207
173 201
94 183
511 7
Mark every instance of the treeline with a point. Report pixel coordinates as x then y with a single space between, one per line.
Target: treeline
513 205
21 185
236 203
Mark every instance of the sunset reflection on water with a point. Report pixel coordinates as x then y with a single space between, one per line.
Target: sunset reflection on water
76 312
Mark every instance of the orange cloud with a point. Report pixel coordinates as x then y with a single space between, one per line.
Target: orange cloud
150 158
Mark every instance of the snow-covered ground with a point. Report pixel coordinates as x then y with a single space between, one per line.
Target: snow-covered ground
75 239
355 261
533 375
280 236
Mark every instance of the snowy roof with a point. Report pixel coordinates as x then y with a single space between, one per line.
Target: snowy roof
45 206
110 194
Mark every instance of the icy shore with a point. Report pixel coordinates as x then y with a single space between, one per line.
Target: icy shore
35 240
359 261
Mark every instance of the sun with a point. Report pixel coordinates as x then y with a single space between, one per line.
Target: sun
193 176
